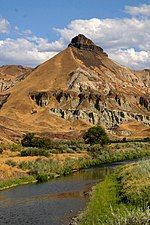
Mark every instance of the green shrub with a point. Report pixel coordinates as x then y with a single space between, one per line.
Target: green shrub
66 170
41 166
35 152
11 163
99 152
30 140
96 135
42 178
15 147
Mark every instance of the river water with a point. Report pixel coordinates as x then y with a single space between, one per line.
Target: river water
51 203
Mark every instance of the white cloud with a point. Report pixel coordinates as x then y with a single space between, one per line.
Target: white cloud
126 40
4 26
44 45
21 51
111 33
131 58
143 9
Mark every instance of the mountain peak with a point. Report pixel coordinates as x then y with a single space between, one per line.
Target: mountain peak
81 40
83 43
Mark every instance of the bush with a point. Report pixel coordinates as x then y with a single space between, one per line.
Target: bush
99 152
96 135
41 166
15 147
42 178
11 163
30 140
35 152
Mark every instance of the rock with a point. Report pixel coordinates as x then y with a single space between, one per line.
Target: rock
3 99
83 43
33 111
74 221
41 98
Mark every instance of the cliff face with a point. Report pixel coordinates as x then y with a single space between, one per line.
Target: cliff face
79 88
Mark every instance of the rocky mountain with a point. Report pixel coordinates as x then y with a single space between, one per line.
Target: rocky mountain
78 88
11 75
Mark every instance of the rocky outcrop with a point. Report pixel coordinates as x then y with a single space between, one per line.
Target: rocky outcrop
41 98
83 43
76 114
83 100
108 118
145 102
3 99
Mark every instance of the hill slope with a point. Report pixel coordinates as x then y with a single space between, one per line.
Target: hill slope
11 75
78 88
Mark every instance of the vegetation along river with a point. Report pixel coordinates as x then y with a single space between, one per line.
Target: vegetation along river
51 203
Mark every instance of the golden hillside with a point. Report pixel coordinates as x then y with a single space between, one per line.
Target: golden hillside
78 88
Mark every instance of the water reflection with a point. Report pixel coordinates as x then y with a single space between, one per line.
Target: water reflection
51 203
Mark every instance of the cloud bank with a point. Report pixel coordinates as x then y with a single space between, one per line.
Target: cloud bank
126 40
141 10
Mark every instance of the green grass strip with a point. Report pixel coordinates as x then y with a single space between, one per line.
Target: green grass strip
15 182
105 196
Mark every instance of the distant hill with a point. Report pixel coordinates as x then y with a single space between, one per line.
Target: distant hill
78 88
11 75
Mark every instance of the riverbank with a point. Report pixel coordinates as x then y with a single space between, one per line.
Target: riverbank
15 182
122 198
54 202
27 169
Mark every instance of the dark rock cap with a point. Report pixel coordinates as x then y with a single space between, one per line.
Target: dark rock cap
83 43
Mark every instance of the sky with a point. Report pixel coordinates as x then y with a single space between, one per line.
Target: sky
32 31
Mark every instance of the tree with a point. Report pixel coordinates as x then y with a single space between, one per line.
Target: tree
28 140
96 135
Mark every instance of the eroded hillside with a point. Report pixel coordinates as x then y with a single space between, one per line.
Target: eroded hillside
78 88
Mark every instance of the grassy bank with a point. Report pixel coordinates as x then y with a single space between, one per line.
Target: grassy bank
122 199
16 181
119 152
46 165
50 167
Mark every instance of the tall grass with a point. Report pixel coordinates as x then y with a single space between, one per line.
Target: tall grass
16 181
123 198
52 168
119 152
135 183
136 216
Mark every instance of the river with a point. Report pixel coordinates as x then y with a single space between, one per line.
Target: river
51 203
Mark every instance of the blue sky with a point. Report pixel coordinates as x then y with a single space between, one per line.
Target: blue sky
46 26
41 16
